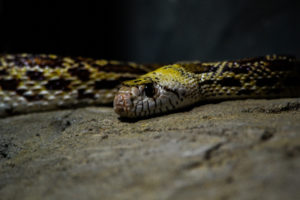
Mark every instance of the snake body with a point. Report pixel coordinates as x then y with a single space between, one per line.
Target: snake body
30 83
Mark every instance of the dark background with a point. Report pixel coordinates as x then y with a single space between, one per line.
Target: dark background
151 30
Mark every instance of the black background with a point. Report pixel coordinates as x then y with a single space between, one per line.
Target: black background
151 30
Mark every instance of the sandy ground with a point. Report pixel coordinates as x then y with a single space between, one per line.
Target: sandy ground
248 149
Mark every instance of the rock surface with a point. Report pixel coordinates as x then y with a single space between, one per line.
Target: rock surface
248 149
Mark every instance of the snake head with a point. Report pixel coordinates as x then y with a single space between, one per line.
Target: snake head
136 98
154 93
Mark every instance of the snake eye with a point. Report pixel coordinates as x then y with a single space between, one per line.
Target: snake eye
149 90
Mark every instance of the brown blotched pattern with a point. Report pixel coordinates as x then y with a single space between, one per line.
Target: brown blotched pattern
253 77
183 84
42 82
29 82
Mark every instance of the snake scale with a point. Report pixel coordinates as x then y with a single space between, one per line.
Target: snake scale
31 83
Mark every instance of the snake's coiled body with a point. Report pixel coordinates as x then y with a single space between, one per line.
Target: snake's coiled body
30 83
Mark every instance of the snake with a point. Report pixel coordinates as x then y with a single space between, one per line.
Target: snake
42 82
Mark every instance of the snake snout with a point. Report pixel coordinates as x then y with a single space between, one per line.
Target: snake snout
122 102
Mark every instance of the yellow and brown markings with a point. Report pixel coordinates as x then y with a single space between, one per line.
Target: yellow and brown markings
251 74
29 75
21 60
139 81
24 72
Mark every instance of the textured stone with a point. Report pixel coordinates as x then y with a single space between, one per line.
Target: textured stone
248 149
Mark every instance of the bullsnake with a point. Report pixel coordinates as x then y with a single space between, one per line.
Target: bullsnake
31 83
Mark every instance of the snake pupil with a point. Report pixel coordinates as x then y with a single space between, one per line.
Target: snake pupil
149 90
